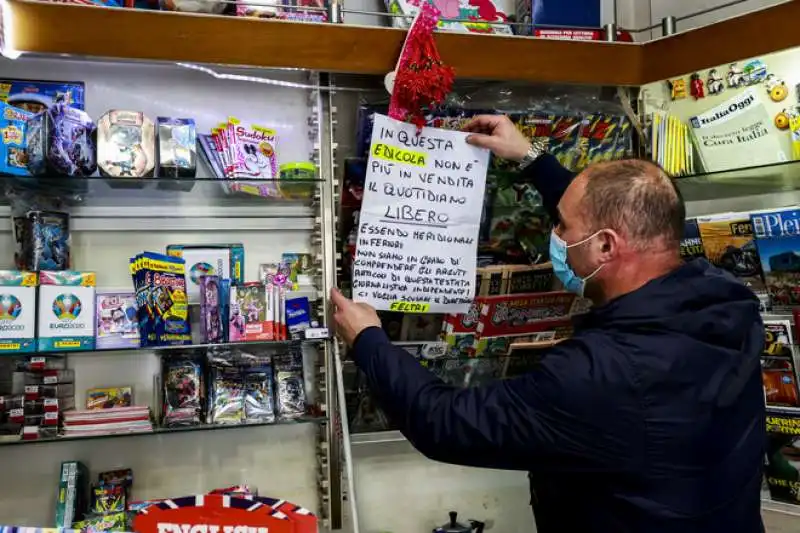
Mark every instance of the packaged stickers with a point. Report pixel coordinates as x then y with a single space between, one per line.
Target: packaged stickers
17 311
66 311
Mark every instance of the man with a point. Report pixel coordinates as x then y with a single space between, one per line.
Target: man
650 419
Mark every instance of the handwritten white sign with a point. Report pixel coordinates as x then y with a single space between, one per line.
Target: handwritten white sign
418 227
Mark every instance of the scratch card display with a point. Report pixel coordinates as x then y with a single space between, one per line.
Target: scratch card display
125 144
117 322
61 140
160 285
13 127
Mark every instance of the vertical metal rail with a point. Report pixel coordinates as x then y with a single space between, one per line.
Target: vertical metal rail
325 225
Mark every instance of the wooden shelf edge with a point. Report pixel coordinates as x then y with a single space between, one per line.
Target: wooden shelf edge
129 34
752 35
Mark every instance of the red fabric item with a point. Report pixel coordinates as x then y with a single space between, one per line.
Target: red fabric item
422 81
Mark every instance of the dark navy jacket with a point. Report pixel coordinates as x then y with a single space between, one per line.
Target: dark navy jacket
650 419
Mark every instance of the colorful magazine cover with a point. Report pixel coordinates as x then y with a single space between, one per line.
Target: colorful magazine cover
729 244
778 370
782 470
778 241
691 244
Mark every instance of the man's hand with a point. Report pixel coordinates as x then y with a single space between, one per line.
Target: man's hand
498 134
352 318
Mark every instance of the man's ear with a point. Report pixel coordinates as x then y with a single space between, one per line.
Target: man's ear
609 243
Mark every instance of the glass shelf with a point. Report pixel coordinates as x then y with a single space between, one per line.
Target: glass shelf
749 181
168 349
155 192
162 431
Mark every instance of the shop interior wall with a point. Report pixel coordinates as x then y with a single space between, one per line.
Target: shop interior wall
784 65
280 460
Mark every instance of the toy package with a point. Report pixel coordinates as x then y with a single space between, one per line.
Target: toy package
66 311
17 311
45 240
289 385
117 322
13 149
210 310
298 317
300 268
252 317
73 493
35 96
176 148
225 394
126 144
472 17
61 140
223 260
109 398
163 310
259 396
183 386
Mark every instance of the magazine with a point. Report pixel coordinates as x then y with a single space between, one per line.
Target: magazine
729 244
691 245
782 470
777 236
778 370
737 133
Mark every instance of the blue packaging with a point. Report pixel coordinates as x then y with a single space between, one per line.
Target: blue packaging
298 317
13 153
35 96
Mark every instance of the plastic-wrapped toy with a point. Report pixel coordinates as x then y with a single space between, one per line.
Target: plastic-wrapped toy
259 397
226 395
714 82
45 241
182 378
289 385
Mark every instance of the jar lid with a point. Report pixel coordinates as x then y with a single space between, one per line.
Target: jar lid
300 165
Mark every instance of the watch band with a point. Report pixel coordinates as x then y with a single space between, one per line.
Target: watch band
538 147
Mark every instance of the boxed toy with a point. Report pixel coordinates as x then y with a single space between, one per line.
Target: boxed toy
223 260
17 311
66 311
35 96
163 312
117 325
13 149
73 490
252 317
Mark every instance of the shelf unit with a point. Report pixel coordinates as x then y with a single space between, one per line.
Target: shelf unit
32 29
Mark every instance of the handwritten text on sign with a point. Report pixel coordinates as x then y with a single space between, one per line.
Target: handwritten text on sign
418 226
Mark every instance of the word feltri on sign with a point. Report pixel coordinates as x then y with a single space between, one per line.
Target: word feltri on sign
409 307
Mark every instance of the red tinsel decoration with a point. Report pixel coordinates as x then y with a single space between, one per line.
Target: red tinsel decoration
422 81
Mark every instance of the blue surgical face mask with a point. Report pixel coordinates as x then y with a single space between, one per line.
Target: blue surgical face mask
558 256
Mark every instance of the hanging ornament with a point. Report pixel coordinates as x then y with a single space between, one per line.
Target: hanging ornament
421 81
696 87
714 82
782 119
677 88
776 88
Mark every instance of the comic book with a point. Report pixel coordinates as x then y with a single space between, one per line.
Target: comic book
778 370
777 236
728 242
691 245
782 469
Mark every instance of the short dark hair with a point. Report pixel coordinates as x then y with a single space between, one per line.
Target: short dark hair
635 197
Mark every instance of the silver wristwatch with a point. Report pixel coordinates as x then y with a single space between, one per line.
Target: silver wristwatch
538 147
